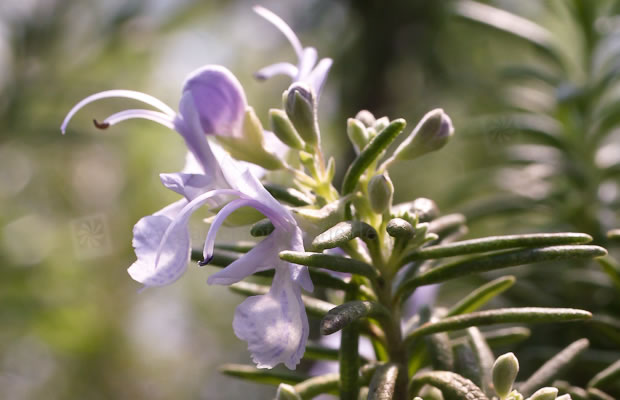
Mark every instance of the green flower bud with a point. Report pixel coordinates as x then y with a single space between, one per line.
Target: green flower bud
287 392
431 133
400 228
564 397
425 209
380 193
301 109
283 128
504 372
366 118
546 393
381 124
358 134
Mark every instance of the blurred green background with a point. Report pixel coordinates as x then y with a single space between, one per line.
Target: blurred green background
72 323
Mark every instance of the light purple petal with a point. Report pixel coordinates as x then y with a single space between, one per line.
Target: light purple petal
307 62
262 257
275 325
188 185
179 222
189 127
299 273
218 99
174 255
282 27
130 94
317 77
282 68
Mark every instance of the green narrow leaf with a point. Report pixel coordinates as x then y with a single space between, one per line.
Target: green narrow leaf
446 223
239 247
370 153
265 376
317 385
501 316
288 195
484 356
327 261
262 228
315 307
499 260
613 234
610 374
383 382
482 295
343 315
342 233
317 352
510 23
611 268
552 368
575 392
453 386
494 243
507 336
465 362
440 351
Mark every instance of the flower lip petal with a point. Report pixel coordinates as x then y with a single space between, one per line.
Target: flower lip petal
282 27
189 209
130 94
218 99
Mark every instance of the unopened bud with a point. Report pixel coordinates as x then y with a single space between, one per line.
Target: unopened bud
504 372
300 107
283 128
546 393
399 228
564 397
358 134
287 392
380 193
366 118
431 133
381 124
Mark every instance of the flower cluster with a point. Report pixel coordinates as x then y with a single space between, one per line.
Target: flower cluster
213 103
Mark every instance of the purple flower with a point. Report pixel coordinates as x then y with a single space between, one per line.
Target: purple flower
275 325
307 70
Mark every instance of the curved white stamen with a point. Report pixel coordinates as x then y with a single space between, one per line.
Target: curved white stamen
188 210
156 116
282 68
130 94
283 27
221 216
306 63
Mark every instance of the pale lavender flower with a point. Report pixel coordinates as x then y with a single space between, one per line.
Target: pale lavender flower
275 325
307 69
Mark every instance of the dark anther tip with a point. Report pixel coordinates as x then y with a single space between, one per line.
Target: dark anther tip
205 261
101 125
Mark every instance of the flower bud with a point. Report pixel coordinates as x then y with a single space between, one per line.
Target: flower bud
287 392
504 372
546 393
400 228
425 209
301 109
284 129
431 133
380 193
381 124
358 134
366 118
